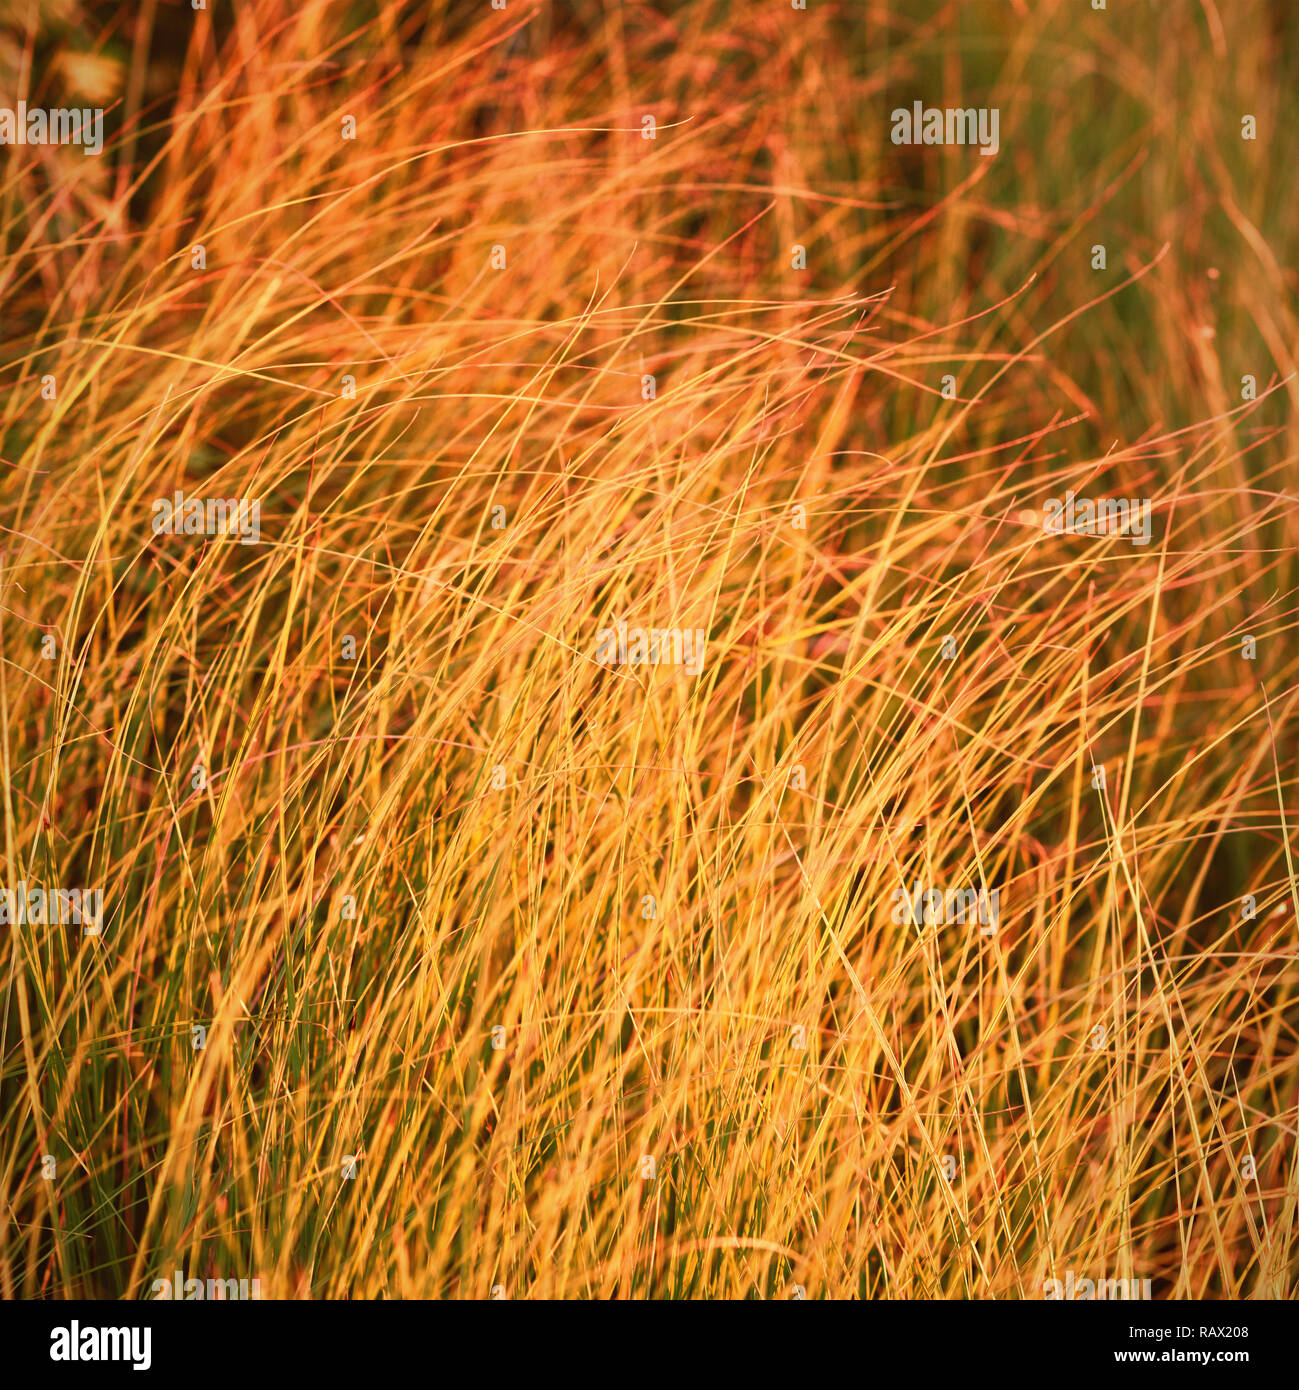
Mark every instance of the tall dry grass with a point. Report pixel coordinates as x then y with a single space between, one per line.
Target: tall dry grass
681 879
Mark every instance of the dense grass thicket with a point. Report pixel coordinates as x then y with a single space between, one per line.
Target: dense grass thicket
516 969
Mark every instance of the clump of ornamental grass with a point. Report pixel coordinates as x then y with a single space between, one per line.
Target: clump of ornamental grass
444 954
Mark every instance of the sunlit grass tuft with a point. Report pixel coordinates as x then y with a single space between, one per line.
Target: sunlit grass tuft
489 924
